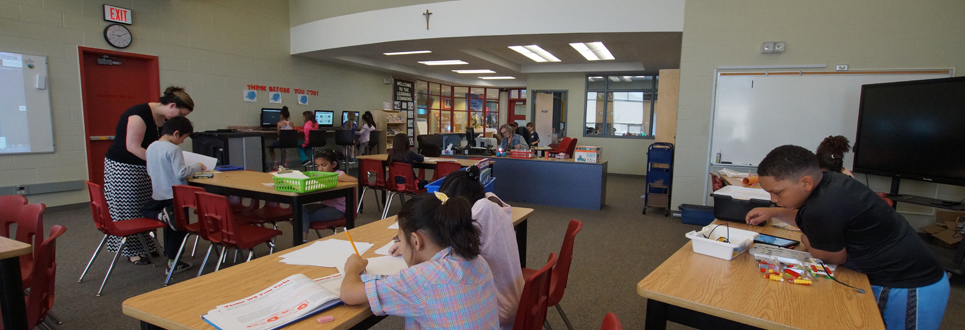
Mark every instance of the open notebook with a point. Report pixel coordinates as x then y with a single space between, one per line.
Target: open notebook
283 303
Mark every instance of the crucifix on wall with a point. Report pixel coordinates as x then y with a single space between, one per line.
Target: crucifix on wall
427 14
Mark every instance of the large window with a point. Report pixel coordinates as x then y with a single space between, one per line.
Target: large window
620 106
449 109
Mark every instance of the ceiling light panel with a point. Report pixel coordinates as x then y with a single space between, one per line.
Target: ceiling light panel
473 71
409 53
585 51
535 53
593 51
497 77
444 62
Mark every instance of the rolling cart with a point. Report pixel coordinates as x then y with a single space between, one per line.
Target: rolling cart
659 177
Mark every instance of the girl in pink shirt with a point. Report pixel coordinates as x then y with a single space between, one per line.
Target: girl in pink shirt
310 125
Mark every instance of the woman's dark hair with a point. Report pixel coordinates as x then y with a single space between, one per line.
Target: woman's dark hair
831 153
464 184
284 112
330 155
367 117
400 148
178 124
309 117
178 96
447 225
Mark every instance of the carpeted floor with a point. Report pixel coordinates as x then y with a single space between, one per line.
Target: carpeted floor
616 249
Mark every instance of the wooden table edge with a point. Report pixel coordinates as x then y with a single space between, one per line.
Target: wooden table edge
14 248
142 316
713 311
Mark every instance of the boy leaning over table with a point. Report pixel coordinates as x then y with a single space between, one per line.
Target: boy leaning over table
843 222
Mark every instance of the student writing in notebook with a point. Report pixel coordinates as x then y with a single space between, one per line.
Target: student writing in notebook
843 222
447 284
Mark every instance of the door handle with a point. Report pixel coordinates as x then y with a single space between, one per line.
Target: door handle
101 137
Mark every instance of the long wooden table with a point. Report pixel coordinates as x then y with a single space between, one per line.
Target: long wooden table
181 305
709 293
252 185
12 304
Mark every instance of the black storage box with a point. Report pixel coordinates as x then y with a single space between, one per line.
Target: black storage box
731 209
696 214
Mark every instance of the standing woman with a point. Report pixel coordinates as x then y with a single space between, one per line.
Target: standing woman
127 187
368 125
303 149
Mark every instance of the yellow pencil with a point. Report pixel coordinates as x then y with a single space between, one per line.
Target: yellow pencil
353 243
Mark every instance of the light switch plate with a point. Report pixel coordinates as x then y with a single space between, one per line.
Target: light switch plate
779 46
841 67
767 47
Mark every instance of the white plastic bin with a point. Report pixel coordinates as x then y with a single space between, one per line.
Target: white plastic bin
740 241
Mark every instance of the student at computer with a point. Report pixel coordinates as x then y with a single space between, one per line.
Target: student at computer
533 136
831 154
284 124
843 222
368 125
511 140
446 286
349 123
303 149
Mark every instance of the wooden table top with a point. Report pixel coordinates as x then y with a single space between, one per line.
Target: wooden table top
254 181
12 248
429 160
736 290
181 305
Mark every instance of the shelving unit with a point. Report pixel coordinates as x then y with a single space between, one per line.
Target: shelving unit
659 177
393 122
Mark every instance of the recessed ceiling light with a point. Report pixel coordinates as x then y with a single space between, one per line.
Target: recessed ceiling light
593 51
497 77
444 62
627 78
409 53
535 53
614 78
474 71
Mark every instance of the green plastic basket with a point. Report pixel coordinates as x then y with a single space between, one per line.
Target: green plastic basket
315 181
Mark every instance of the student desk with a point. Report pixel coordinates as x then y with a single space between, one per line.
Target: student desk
181 305
251 185
12 303
705 292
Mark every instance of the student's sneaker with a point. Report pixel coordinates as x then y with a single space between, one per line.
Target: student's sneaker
167 217
180 267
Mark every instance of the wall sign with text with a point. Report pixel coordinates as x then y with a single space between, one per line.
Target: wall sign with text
117 14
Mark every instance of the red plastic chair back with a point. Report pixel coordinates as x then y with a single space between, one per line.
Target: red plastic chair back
444 168
10 211
571 147
562 270
42 286
531 312
887 200
405 171
611 322
214 214
372 166
561 148
99 209
185 200
30 230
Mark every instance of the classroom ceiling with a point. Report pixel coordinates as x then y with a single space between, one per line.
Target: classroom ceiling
638 53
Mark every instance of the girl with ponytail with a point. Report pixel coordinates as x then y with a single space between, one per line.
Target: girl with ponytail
831 154
446 286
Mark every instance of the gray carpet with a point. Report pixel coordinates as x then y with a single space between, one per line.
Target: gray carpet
616 249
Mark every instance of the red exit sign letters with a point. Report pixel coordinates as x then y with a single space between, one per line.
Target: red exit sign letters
117 14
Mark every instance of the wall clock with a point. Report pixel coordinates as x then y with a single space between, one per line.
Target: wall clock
117 35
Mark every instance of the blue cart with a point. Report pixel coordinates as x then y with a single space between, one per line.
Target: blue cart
659 177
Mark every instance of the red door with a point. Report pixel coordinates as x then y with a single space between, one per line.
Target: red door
109 85
522 114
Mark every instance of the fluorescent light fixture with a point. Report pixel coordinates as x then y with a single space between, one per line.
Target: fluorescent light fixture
444 62
614 78
627 78
409 53
497 77
474 71
535 53
593 51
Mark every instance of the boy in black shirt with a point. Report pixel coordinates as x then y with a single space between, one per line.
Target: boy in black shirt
843 222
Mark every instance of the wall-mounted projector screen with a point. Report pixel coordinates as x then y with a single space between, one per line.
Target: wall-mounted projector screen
25 125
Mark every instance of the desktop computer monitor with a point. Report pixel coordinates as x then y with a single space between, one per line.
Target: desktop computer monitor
325 118
485 142
345 117
270 117
470 137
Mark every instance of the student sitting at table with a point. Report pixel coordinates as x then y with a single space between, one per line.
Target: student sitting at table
166 167
511 140
303 149
446 285
401 152
332 209
844 223
831 154
533 136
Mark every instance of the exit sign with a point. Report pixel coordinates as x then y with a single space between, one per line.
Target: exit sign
117 14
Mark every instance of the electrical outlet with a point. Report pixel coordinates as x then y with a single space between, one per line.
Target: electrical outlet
841 67
779 46
767 47
22 190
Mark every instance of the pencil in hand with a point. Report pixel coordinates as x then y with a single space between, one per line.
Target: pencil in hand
353 243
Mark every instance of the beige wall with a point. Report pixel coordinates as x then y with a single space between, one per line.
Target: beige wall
863 34
625 156
304 11
213 48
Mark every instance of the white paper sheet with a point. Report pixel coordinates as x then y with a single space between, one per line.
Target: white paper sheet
385 265
744 193
394 225
191 158
385 249
327 253
292 175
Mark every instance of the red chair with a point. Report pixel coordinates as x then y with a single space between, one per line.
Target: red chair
562 270
366 168
233 234
272 213
887 200
30 230
570 148
561 148
444 168
411 186
123 229
611 322
9 211
209 229
531 312
185 202
41 295
325 225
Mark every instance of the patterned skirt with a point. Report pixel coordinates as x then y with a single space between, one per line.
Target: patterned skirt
127 188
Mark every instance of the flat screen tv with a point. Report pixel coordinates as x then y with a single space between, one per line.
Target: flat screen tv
270 117
913 130
325 118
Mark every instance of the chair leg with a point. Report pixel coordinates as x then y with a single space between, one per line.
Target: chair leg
235 260
318 233
271 247
206 255
99 246
251 254
111 268
388 203
176 258
358 209
196 238
546 324
217 266
563 315
42 325
157 245
53 318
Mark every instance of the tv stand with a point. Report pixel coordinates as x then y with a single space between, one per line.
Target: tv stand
919 200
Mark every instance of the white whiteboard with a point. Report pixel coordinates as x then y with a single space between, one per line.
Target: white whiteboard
755 113
25 124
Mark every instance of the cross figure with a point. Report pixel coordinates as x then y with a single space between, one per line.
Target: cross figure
426 14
